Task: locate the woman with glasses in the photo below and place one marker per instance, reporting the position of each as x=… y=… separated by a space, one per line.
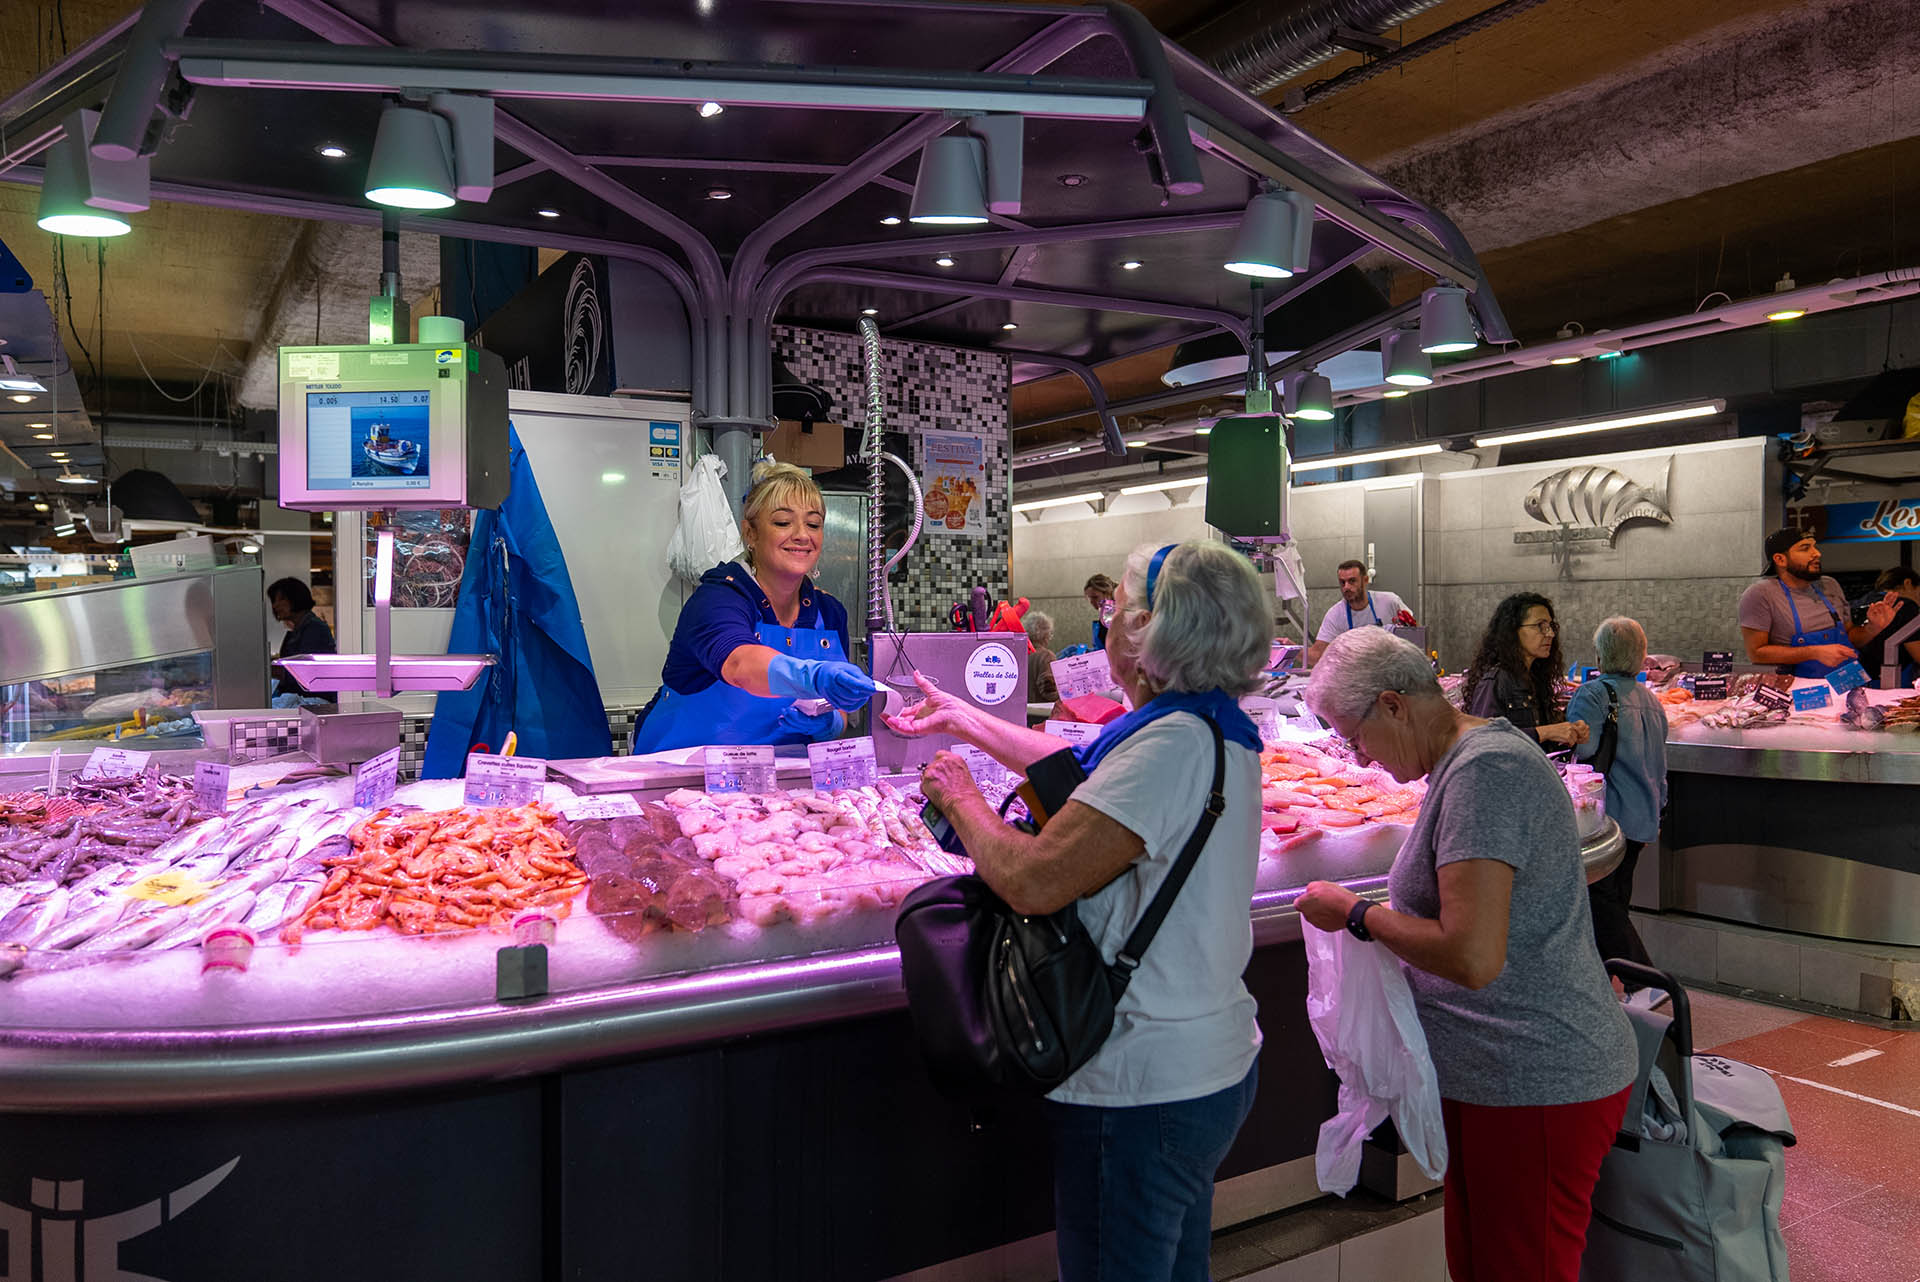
x=1512 y=675
x=1534 y=1055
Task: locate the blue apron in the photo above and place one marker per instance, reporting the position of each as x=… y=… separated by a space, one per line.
x=1835 y=635
x=1370 y=610
x=727 y=714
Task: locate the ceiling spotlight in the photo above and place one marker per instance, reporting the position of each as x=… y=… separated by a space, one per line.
x=1132 y=265
x=1011 y=325
x=56 y=453
x=74 y=478
x=1564 y=360
x=719 y=193
x=945 y=260
x=42 y=507
x=1309 y=396
x=249 y=547
x=1395 y=393
x=708 y=110
x=41 y=436
x=83 y=195
x=1135 y=445
x=891 y=220
x=23 y=398
x=332 y=151
x=412 y=164
x=1275 y=238
x=1072 y=180
x=869 y=311
x=951 y=189
x=1445 y=323
x=1406 y=364
x=1787 y=314
x=547 y=213
x=35 y=427
x=12 y=380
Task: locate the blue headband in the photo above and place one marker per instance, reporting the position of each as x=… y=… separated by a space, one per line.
x=1153 y=570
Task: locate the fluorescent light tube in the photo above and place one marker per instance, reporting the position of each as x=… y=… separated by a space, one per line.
x=1708 y=410
x=1065 y=501
x=1366 y=456
x=1185 y=483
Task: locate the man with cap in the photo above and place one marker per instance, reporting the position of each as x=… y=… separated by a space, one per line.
x=1796 y=618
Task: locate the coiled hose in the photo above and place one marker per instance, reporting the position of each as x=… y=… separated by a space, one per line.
x=879 y=565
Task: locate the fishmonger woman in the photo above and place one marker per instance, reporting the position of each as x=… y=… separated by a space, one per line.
x=754 y=640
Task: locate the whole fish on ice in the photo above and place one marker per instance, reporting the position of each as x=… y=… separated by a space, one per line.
x=1593 y=497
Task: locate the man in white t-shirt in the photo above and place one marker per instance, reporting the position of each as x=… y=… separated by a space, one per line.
x=1358 y=607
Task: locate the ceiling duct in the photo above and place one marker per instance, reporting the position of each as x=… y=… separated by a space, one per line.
x=1260 y=47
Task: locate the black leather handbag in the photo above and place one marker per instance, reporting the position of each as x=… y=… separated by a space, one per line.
x=1005 y=1004
x=1602 y=758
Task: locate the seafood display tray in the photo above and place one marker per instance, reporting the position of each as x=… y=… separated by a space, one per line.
x=338 y=672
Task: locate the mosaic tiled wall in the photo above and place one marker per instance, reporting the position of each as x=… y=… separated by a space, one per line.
x=413 y=739
x=929 y=388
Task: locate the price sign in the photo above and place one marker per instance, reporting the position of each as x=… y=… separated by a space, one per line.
x=210 y=787
x=1708 y=689
x=1809 y=698
x=1073 y=731
x=842 y=763
x=171 y=887
x=504 y=781
x=114 y=763
x=613 y=805
x=1083 y=674
x=1848 y=676
x=995 y=780
x=746 y=768
x=375 y=779
x=1716 y=663
x=1768 y=697
x=1265 y=714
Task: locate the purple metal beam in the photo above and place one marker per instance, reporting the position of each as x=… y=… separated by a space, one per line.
x=736 y=166
x=1025 y=294
x=1109 y=425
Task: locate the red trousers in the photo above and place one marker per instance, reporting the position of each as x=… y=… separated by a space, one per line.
x=1520 y=1187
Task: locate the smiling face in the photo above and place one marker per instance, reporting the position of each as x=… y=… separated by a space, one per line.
x=1353 y=587
x=1537 y=633
x=785 y=539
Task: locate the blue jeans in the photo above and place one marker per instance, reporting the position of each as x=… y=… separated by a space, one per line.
x=1133 y=1187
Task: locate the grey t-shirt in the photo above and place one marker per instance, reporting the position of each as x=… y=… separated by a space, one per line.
x=1548 y=1029
x=1764 y=606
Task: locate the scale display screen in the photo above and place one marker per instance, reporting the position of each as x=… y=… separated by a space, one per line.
x=371 y=441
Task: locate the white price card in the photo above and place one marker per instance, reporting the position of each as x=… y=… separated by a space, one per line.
x=1083 y=674
x=375 y=779
x=1073 y=731
x=210 y=780
x=612 y=805
x=114 y=763
x=994 y=779
x=504 y=781
x=842 y=763
x=1265 y=714
x=744 y=768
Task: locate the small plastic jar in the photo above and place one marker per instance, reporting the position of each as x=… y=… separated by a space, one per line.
x=226 y=947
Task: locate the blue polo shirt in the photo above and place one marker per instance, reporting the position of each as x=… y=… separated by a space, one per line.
x=721 y=616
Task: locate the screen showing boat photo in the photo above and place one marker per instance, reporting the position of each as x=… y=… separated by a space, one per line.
x=368 y=440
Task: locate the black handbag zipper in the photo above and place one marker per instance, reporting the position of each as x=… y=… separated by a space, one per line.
x=1013 y=984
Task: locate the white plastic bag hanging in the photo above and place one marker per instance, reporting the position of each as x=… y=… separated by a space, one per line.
x=707 y=533
x=1362 y=1013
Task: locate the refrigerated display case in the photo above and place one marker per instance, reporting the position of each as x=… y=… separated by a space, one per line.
x=130 y=659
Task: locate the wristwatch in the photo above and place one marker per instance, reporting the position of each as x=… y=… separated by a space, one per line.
x=1357 y=920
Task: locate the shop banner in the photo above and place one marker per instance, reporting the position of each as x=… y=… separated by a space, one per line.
x=953 y=473
x=1889 y=520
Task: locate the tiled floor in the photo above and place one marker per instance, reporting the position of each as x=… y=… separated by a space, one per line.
x=1852 y=1208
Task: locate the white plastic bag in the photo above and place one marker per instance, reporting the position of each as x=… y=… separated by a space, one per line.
x=707 y=533
x=1362 y=1012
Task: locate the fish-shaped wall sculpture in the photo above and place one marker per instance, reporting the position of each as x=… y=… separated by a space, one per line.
x=1593 y=497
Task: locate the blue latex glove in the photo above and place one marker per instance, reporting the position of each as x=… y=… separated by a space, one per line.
x=825 y=726
x=841 y=684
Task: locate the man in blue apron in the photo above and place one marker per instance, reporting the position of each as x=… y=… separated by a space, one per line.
x=1359 y=606
x=759 y=654
x=1795 y=618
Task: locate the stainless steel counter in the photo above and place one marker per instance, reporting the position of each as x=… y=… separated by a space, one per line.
x=85 y=1070
x=1793 y=752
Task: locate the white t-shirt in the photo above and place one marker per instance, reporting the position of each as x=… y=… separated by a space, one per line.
x=1384 y=607
x=1185 y=1026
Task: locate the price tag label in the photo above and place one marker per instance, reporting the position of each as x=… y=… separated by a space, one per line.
x=375 y=779
x=171 y=887
x=1265 y=714
x=1083 y=674
x=504 y=781
x=842 y=763
x=1073 y=731
x=614 y=805
x=210 y=786
x=1848 y=676
x=745 y=768
x=114 y=763
x=995 y=780
x=1809 y=698
x=1710 y=688
x=1768 y=697
x=1716 y=663
x=257 y=738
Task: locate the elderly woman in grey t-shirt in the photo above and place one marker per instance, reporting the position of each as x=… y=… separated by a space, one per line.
x=1534 y=1055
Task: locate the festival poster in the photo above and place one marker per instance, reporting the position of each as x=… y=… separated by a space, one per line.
x=953 y=473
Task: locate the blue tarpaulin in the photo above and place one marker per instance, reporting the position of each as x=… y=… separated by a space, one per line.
x=517 y=603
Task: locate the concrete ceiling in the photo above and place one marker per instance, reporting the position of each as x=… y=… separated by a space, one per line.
x=1611 y=160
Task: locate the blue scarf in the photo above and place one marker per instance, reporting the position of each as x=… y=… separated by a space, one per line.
x=1216 y=706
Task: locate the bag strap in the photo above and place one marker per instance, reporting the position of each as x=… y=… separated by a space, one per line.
x=1128 y=959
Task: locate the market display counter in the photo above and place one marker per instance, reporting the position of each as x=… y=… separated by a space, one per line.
x=764 y=1120
x=1808 y=826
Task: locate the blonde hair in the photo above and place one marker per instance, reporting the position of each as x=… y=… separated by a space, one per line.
x=777 y=485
